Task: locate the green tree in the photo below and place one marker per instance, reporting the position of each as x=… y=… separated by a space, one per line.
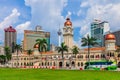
x=42 y=46
x=29 y=52
x=13 y=47
x=88 y=41
x=63 y=48
x=17 y=49
x=2 y=59
x=75 y=51
x=7 y=53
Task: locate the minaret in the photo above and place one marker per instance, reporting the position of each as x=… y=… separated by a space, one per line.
x=59 y=37
x=68 y=33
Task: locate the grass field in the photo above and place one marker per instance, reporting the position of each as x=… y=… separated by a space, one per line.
x=44 y=74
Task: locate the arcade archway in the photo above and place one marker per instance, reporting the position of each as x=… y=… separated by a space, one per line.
x=60 y=64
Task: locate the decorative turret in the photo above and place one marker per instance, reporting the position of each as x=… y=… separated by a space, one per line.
x=110 y=42
x=68 y=22
x=68 y=33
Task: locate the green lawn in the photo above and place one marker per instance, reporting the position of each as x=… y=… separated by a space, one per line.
x=43 y=74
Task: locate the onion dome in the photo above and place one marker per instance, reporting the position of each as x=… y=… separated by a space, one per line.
x=36 y=46
x=68 y=22
x=10 y=29
x=110 y=37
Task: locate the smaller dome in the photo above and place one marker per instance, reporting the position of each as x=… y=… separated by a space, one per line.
x=110 y=37
x=36 y=46
x=68 y=22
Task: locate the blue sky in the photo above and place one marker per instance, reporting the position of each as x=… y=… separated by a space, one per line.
x=26 y=14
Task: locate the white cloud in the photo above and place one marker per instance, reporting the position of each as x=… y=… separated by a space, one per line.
x=84 y=4
x=68 y=14
x=48 y=14
x=7 y=21
x=79 y=12
x=105 y=11
x=21 y=27
x=11 y=19
x=84 y=30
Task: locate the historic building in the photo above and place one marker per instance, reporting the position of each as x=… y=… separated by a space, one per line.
x=10 y=37
x=53 y=59
x=68 y=33
x=30 y=38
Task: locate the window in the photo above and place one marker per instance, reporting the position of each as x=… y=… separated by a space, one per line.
x=78 y=64
x=81 y=63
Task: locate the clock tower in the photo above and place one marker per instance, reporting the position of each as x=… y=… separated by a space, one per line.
x=68 y=33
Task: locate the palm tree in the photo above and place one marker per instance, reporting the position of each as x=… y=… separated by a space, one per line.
x=88 y=41
x=17 y=49
x=42 y=45
x=29 y=52
x=63 y=48
x=2 y=59
x=75 y=51
x=13 y=47
x=7 y=53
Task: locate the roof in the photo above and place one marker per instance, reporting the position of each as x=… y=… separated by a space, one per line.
x=68 y=22
x=110 y=37
x=9 y=29
x=95 y=48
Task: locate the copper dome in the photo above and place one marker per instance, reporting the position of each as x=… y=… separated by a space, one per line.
x=110 y=37
x=68 y=22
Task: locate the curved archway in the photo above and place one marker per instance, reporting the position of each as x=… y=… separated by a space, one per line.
x=53 y=63
x=118 y=64
x=48 y=63
x=78 y=64
x=73 y=64
x=60 y=64
x=67 y=64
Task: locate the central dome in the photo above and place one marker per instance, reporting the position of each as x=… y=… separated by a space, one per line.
x=110 y=37
x=68 y=22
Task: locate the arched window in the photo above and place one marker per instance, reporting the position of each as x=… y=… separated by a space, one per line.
x=81 y=63
x=21 y=64
x=78 y=64
x=24 y=63
x=42 y=63
x=118 y=55
x=54 y=64
x=98 y=56
x=112 y=55
x=48 y=63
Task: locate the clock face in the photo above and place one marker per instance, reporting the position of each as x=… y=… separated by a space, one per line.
x=66 y=30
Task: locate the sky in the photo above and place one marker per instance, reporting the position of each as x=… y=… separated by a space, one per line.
x=51 y=15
